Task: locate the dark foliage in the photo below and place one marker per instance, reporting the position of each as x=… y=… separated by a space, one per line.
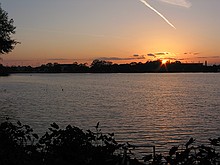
x=3 y=71
x=7 y=28
x=190 y=155
x=19 y=145
x=100 y=66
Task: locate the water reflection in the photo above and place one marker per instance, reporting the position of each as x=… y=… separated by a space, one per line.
x=161 y=109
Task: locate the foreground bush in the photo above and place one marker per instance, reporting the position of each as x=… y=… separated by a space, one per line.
x=191 y=155
x=19 y=145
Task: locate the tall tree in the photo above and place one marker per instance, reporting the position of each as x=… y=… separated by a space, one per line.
x=7 y=28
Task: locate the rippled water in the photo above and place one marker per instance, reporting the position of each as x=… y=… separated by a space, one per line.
x=159 y=109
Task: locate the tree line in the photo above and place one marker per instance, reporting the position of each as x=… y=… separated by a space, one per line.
x=102 y=66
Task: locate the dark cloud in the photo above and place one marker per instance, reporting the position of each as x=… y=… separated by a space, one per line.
x=116 y=58
x=192 y=53
x=161 y=53
x=135 y=57
x=209 y=57
x=158 y=54
x=58 y=59
x=141 y=57
x=151 y=55
x=170 y=58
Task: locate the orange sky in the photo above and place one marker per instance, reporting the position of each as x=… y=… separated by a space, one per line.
x=54 y=31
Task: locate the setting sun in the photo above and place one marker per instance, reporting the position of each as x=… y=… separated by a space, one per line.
x=164 y=61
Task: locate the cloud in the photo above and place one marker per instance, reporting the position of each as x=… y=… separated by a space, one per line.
x=151 y=55
x=191 y=53
x=115 y=58
x=139 y=56
x=209 y=57
x=161 y=53
x=199 y=57
x=182 y=3
x=135 y=57
x=170 y=58
x=58 y=59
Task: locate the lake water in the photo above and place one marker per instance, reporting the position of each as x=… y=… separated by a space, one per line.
x=159 y=109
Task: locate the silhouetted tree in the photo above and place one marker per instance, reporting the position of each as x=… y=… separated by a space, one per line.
x=101 y=66
x=99 y=63
x=7 y=28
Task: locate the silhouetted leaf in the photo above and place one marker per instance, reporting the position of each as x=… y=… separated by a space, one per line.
x=69 y=127
x=111 y=134
x=54 y=125
x=173 y=150
x=214 y=142
x=97 y=125
x=147 y=158
x=29 y=137
x=35 y=136
x=19 y=123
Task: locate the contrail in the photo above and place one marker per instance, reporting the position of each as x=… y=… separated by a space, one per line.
x=143 y=1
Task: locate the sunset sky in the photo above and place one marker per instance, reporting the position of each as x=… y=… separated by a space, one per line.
x=121 y=31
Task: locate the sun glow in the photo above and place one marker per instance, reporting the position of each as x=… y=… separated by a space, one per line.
x=164 y=62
